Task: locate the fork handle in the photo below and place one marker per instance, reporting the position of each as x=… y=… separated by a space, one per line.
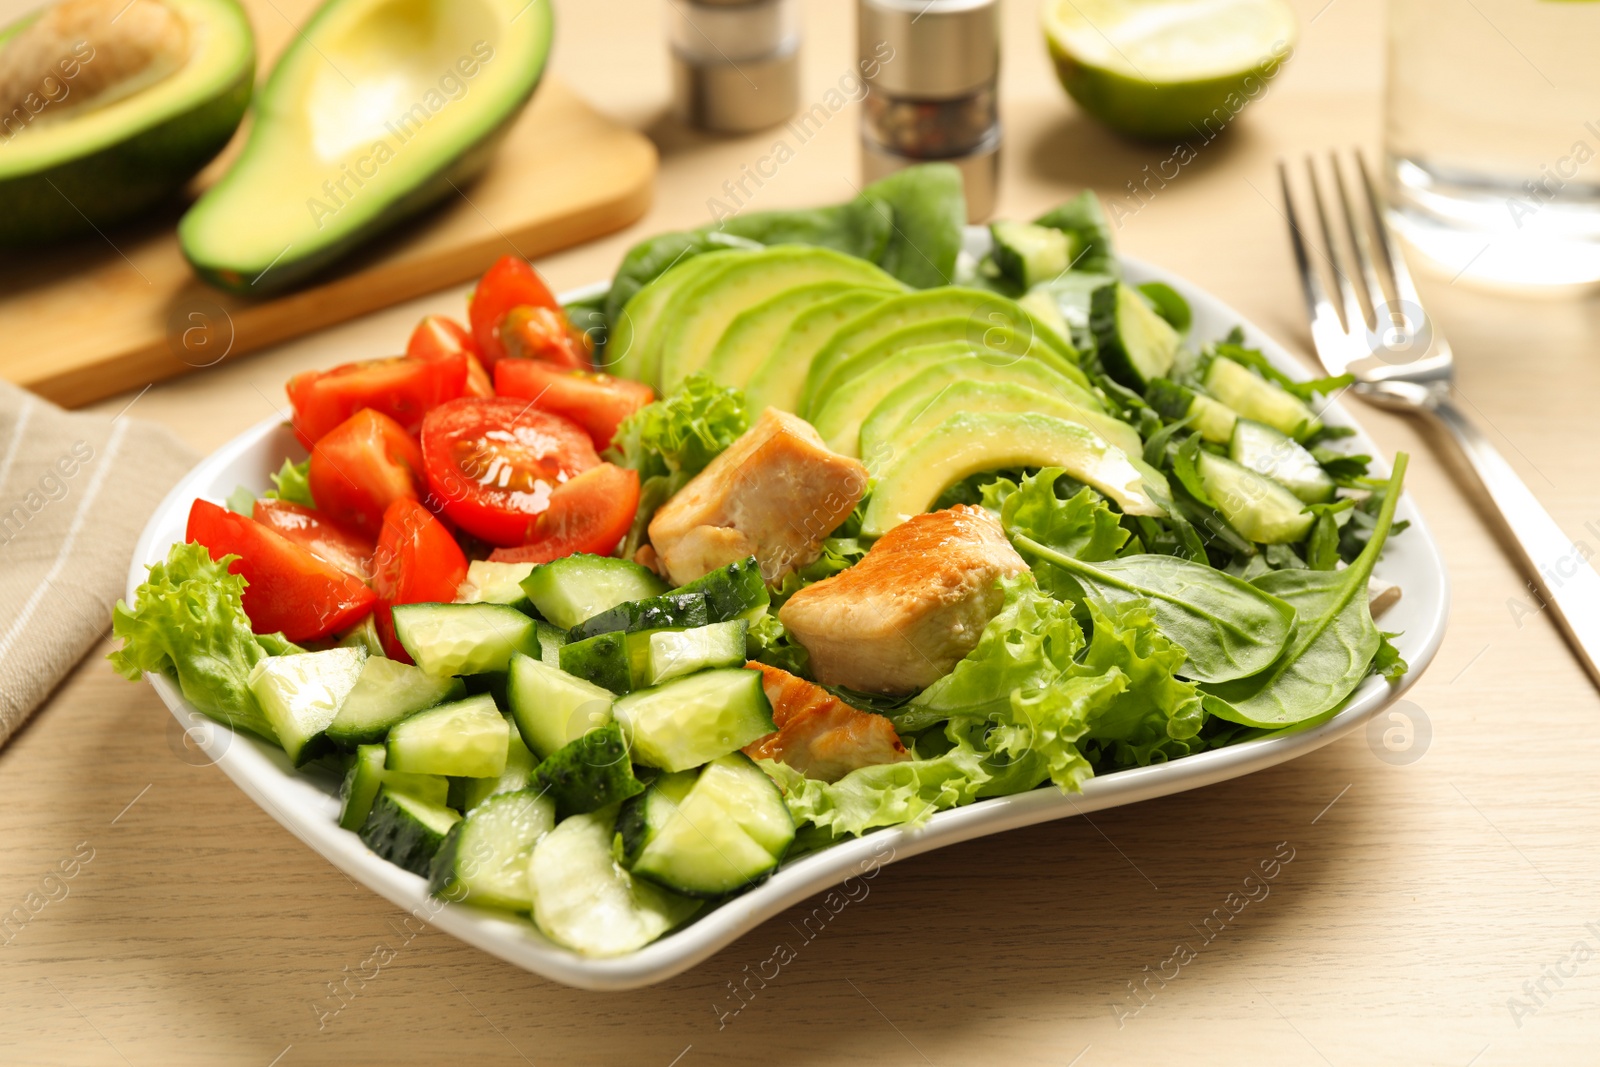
x=1557 y=566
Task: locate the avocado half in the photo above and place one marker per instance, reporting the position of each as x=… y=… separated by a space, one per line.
x=65 y=172
x=378 y=109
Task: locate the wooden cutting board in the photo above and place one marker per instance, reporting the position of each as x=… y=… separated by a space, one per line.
x=103 y=316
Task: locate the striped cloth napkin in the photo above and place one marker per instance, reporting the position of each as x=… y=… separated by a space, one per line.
x=75 y=492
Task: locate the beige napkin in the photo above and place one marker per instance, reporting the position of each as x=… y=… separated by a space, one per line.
x=75 y=492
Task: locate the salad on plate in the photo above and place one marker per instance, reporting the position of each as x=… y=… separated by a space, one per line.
x=808 y=524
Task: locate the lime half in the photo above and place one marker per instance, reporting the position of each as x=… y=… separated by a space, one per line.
x=1168 y=68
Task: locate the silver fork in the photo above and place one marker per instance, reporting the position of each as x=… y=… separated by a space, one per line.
x=1404 y=363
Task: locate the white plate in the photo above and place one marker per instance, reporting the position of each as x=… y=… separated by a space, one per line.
x=307 y=804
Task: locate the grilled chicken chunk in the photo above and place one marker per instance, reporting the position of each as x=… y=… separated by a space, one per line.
x=820 y=735
x=902 y=617
x=775 y=493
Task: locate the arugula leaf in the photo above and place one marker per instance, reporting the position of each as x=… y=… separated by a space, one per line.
x=681 y=433
x=1335 y=643
x=189 y=621
x=1155 y=716
x=292 y=483
x=1083 y=217
x=1169 y=304
x=1322 y=546
x=1257 y=360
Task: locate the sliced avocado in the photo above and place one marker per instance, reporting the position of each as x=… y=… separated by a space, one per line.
x=377 y=109
x=750 y=337
x=839 y=419
x=930 y=396
x=969 y=444
x=782 y=376
x=1002 y=344
x=980 y=309
x=1135 y=344
x=1256 y=398
x=100 y=131
x=633 y=349
x=703 y=311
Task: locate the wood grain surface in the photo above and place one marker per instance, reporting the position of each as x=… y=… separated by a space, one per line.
x=1433 y=912
x=564 y=174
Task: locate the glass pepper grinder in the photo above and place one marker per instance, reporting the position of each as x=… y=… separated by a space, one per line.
x=735 y=63
x=932 y=69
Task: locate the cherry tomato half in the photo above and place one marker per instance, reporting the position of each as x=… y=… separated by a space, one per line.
x=590 y=513
x=288 y=588
x=597 y=402
x=361 y=467
x=510 y=283
x=545 y=335
x=441 y=337
x=316 y=533
x=492 y=464
x=403 y=389
x=417 y=562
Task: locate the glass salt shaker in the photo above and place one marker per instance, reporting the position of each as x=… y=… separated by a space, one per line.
x=735 y=63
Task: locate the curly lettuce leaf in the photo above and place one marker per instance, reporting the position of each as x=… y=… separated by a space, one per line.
x=189 y=622
x=767 y=641
x=1156 y=716
x=292 y=483
x=837 y=554
x=682 y=433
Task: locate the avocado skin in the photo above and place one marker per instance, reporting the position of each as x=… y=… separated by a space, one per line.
x=79 y=196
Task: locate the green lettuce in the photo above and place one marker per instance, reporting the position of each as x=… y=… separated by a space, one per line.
x=1156 y=716
x=837 y=554
x=189 y=623
x=292 y=483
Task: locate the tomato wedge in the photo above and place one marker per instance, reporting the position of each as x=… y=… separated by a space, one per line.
x=590 y=513
x=597 y=402
x=510 y=283
x=545 y=335
x=403 y=389
x=362 y=467
x=441 y=337
x=493 y=463
x=314 y=532
x=417 y=562
x=288 y=589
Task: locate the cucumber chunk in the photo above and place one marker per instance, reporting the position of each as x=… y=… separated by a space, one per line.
x=710 y=832
x=737 y=591
x=488 y=582
x=517 y=775
x=602 y=659
x=1135 y=344
x=367 y=775
x=1258 y=507
x=652 y=613
x=1211 y=420
x=386 y=692
x=1029 y=254
x=583 y=899
x=447 y=639
x=1256 y=398
x=552 y=708
x=574 y=588
x=661 y=655
x=484 y=859
x=466 y=739
x=407 y=831
x=590 y=773
x=693 y=720
x=1266 y=451
x=300 y=696
x=364 y=635
x=551 y=638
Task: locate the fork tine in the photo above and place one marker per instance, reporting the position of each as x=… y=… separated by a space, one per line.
x=1404 y=288
x=1318 y=306
x=1354 y=317
x=1361 y=245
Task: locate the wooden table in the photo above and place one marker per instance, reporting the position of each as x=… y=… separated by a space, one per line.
x=1417 y=923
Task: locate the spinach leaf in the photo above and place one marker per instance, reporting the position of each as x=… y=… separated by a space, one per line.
x=1335 y=641
x=1083 y=217
x=926 y=210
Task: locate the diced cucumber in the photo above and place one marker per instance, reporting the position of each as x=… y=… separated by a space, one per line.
x=447 y=639
x=1266 y=451
x=552 y=708
x=551 y=638
x=1135 y=344
x=386 y=692
x=661 y=655
x=728 y=829
x=364 y=635
x=571 y=589
x=484 y=859
x=602 y=659
x=1029 y=254
x=517 y=775
x=1254 y=397
x=367 y=775
x=407 y=831
x=466 y=739
x=652 y=613
x=1211 y=420
x=489 y=582
x=585 y=900
x=736 y=591
x=693 y=720
x=589 y=773
x=1258 y=507
x=300 y=695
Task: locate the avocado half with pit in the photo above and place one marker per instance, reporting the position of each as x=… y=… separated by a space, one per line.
x=107 y=107
x=378 y=109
